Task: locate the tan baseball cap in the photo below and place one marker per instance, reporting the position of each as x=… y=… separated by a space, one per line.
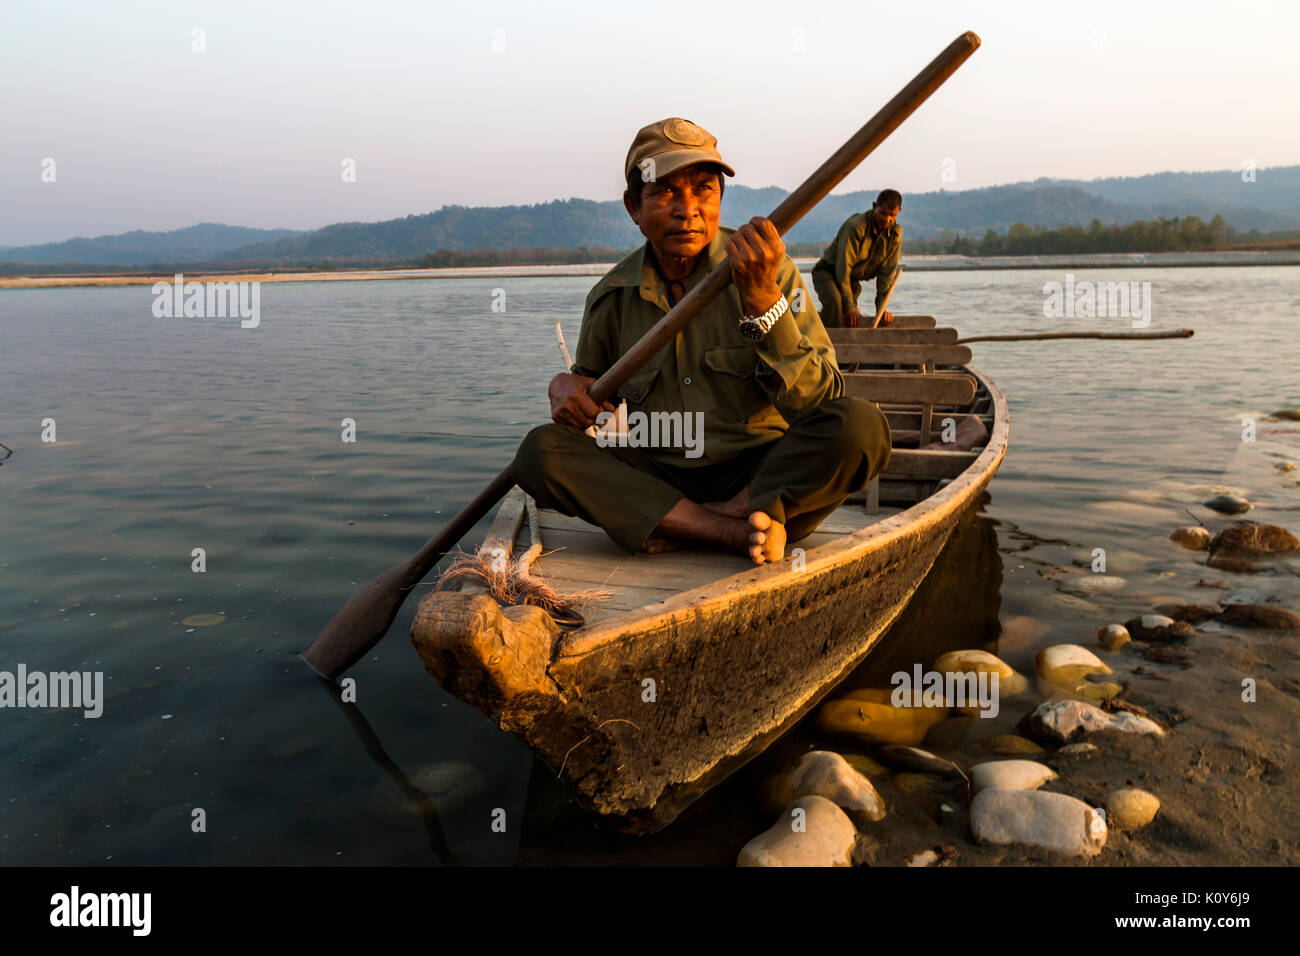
x=671 y=144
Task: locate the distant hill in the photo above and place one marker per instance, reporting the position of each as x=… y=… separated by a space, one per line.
x=561 y=224
x=1271 y=203
x=207 y=240
x=1275 y=190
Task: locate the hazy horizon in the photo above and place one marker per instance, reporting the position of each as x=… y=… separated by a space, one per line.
x=438 y=108
x=835 y=192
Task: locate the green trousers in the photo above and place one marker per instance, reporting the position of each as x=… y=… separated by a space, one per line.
x=831 y=309
x=830 y=451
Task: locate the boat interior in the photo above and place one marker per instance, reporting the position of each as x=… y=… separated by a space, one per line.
x=940 y=414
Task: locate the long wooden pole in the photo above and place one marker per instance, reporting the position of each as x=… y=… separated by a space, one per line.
x=1039 y=336
x=365 y=619
x=898 y=271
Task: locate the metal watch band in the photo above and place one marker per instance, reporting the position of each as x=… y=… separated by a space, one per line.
x=770 y=317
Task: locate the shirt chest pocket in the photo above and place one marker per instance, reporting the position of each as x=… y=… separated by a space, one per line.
x=733 y=383
x=638 y=389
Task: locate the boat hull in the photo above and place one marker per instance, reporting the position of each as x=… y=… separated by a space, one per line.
x=644 y=713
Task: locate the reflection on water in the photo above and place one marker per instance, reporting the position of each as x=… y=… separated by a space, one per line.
x=182 y=434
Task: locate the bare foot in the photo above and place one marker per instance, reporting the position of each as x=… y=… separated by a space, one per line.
x=767 y=539
x=737 y=507
x=754 y=533
x=658 y=544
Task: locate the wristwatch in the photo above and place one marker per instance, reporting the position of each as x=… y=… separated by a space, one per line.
x=754 y=327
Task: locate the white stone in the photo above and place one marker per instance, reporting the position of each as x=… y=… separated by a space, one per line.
x=1113 y=636
x=1064 y=720
x=1010 y=775
x=1154 y=621
x=974 y=660
x=1050 y=821
x=1094 y=583
x=822 y=835
x=826 y=774
x=1068 y=664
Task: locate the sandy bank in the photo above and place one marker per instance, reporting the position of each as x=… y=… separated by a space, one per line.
x=1135 y=260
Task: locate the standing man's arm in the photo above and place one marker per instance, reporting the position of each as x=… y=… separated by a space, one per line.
x=848 y=250
x=888 y=273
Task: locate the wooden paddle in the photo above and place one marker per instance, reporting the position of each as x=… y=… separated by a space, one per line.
x=880 y=312
x=367 y=616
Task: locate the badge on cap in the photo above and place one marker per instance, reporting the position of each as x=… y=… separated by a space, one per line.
x=685 y=132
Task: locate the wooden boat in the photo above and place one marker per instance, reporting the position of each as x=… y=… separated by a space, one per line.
x=698 y=660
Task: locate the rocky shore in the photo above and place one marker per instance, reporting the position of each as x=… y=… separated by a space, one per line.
x=1162 y=735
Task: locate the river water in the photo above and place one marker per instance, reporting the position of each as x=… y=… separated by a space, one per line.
x=179 y=434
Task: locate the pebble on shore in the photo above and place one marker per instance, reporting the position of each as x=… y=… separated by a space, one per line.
x=1227 y=504
x=1158 y=627
x=1113 y=636
x=1194 y=538
x=1010 y=775
x=826 y=774
x=1188 y=613
x=1050 y=821
x=1064 y=721
x=921 y=761
x=976 y=661
x=1249 y=546
x=1094 y=583
x=1260 y=615
x=1129 y=808
x=1063 y=671
x=869 y=715
x=1068 y=664
x=823 y=835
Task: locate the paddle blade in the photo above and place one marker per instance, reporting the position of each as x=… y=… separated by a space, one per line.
x=366 y=618
x=361 y=624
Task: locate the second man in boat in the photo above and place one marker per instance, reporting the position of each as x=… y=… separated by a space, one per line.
x=783 y=446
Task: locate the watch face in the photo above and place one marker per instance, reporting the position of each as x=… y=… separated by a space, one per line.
x=751 y=330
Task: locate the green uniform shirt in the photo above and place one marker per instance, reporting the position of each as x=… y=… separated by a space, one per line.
x=747 y=391
x=856 y=255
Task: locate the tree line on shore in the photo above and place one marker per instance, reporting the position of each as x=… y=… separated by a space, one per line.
x=1176 y=234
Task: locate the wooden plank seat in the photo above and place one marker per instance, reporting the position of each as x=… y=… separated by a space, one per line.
x=892 y=336
x=912 y=388
x=930 y=355
x=908 y=419
x=912 y=322
x=908 y=395
x=928 y=464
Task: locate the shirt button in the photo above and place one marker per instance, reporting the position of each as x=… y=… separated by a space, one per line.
x=687 y=380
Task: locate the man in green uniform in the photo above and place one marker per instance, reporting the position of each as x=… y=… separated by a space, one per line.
x=782 y=447
x=866 y=247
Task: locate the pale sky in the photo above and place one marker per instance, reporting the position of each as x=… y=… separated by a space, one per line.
x=146 y=133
